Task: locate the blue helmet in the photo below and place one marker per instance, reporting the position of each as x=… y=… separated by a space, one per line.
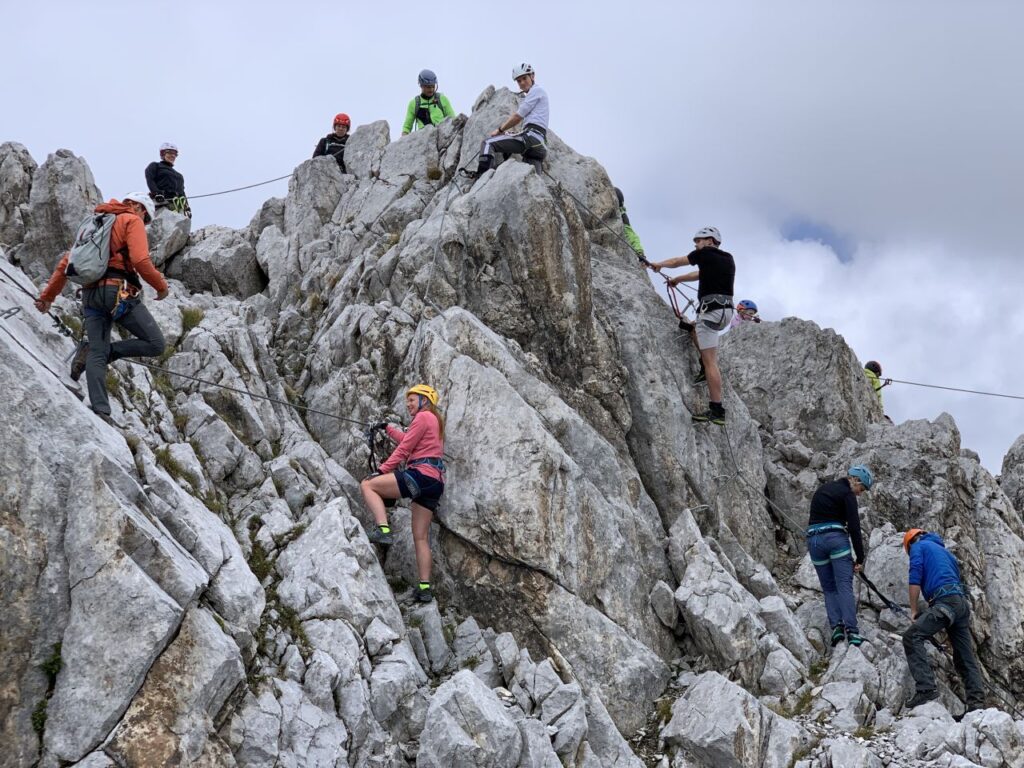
x=747 y=304
x=427 y=77
x=863 y=474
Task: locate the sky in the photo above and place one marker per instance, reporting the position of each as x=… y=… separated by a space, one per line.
x=862 y=160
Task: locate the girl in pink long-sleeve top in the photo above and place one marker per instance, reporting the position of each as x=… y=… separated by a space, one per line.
x=420 y=449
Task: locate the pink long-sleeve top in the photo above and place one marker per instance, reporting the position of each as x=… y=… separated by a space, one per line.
x=421 y=441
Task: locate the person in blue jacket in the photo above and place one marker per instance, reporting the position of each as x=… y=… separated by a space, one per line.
x=934 y=572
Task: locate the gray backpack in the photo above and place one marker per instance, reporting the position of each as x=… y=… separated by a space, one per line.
x=90 y=253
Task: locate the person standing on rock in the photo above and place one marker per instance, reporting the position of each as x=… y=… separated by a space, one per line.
x=334 y=142
x=533 y=111
x=421 y=449
x=746 y=312
x=166 y=184
x=833 y=528
x=429 y=108
x=116 y=298
x=873 y=371
x=627 y=229
x=716 y=272
x=935 y=573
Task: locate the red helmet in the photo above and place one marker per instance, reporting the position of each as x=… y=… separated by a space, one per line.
x=342 y=118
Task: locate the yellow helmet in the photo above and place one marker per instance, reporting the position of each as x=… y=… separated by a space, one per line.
x=427 y=391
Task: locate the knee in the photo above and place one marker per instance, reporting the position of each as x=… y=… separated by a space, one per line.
x=157 y=344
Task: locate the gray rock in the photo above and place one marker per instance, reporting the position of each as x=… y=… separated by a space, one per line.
x=664 y=604
x=988 y=737
x=16 y=171
x=844 y=752
x=185 y=691
x=719 y=723
x=430 y=627
x=467 y=725
x=536 y=750
x=1011 y=481
x=219 y=261
x=779 y=619
x=797 y=385
x=396 y=679
x=63 y=193
x=167 y=234
x=379 y=637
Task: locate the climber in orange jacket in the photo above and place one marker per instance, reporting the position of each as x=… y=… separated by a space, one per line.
x=116 y=297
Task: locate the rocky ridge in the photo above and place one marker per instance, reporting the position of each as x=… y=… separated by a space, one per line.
x=197 y=588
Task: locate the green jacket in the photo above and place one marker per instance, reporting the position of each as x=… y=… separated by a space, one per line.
x=438 y=107
x=876 y=383
x=630 y=234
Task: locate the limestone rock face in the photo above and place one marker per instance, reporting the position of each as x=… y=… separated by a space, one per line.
x=63 y=193
x=219 y=261
x=196 y=586
x=167 y=233
x=1012 y=478
x=16 y=171
x=718 y=723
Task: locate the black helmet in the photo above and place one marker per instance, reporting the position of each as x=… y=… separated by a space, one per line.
x=874 y=367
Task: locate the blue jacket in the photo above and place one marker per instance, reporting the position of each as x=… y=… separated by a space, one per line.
x=932 y=566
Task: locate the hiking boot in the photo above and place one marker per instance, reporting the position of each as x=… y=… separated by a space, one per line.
x=853 y=638
x=78 y=363
x=382 y=537
x=106 y=418
x=838 y=635
x=922 y=697
x=701 y=377
x=424 y=595
x=715 y=417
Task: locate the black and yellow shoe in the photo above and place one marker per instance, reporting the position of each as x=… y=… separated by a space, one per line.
x=381 y=535
x=714 y=417
x=424 y=594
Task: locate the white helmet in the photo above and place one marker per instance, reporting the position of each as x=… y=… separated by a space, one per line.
x=711 y=232
x=521 y=69
x=168 y=147
x=145 y=200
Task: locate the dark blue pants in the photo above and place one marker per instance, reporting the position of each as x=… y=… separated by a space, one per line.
x=832 y=558
x=148 y=342
x=953 y=614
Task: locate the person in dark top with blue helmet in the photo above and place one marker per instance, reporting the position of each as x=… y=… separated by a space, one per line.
x=935 y=573
x=836 y=548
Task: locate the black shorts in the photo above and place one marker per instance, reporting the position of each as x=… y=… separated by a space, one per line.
x=422 y=489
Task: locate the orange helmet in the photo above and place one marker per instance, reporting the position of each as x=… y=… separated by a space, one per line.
x=342 y=119
x=909 y=537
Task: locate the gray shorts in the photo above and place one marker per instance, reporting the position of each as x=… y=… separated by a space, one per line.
x=709 y=324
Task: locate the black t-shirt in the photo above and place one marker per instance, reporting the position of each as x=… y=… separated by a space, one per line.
x=717 y=271
x=162 y=179
x=332 y=145
x=835 y=502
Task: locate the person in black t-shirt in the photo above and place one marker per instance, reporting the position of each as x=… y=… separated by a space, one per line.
x=333 y=143
x=716 y=271
x=167 y=185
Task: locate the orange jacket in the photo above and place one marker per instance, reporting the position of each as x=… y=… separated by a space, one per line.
x=127 y=235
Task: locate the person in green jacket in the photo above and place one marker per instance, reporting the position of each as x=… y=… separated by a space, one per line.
x=627 y=231
x=429 y=108
x=874 y=372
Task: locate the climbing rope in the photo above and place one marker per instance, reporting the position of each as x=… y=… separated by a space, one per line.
x=62 y=328
x=246 y=392
x=958 y=389
x=239 y=189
